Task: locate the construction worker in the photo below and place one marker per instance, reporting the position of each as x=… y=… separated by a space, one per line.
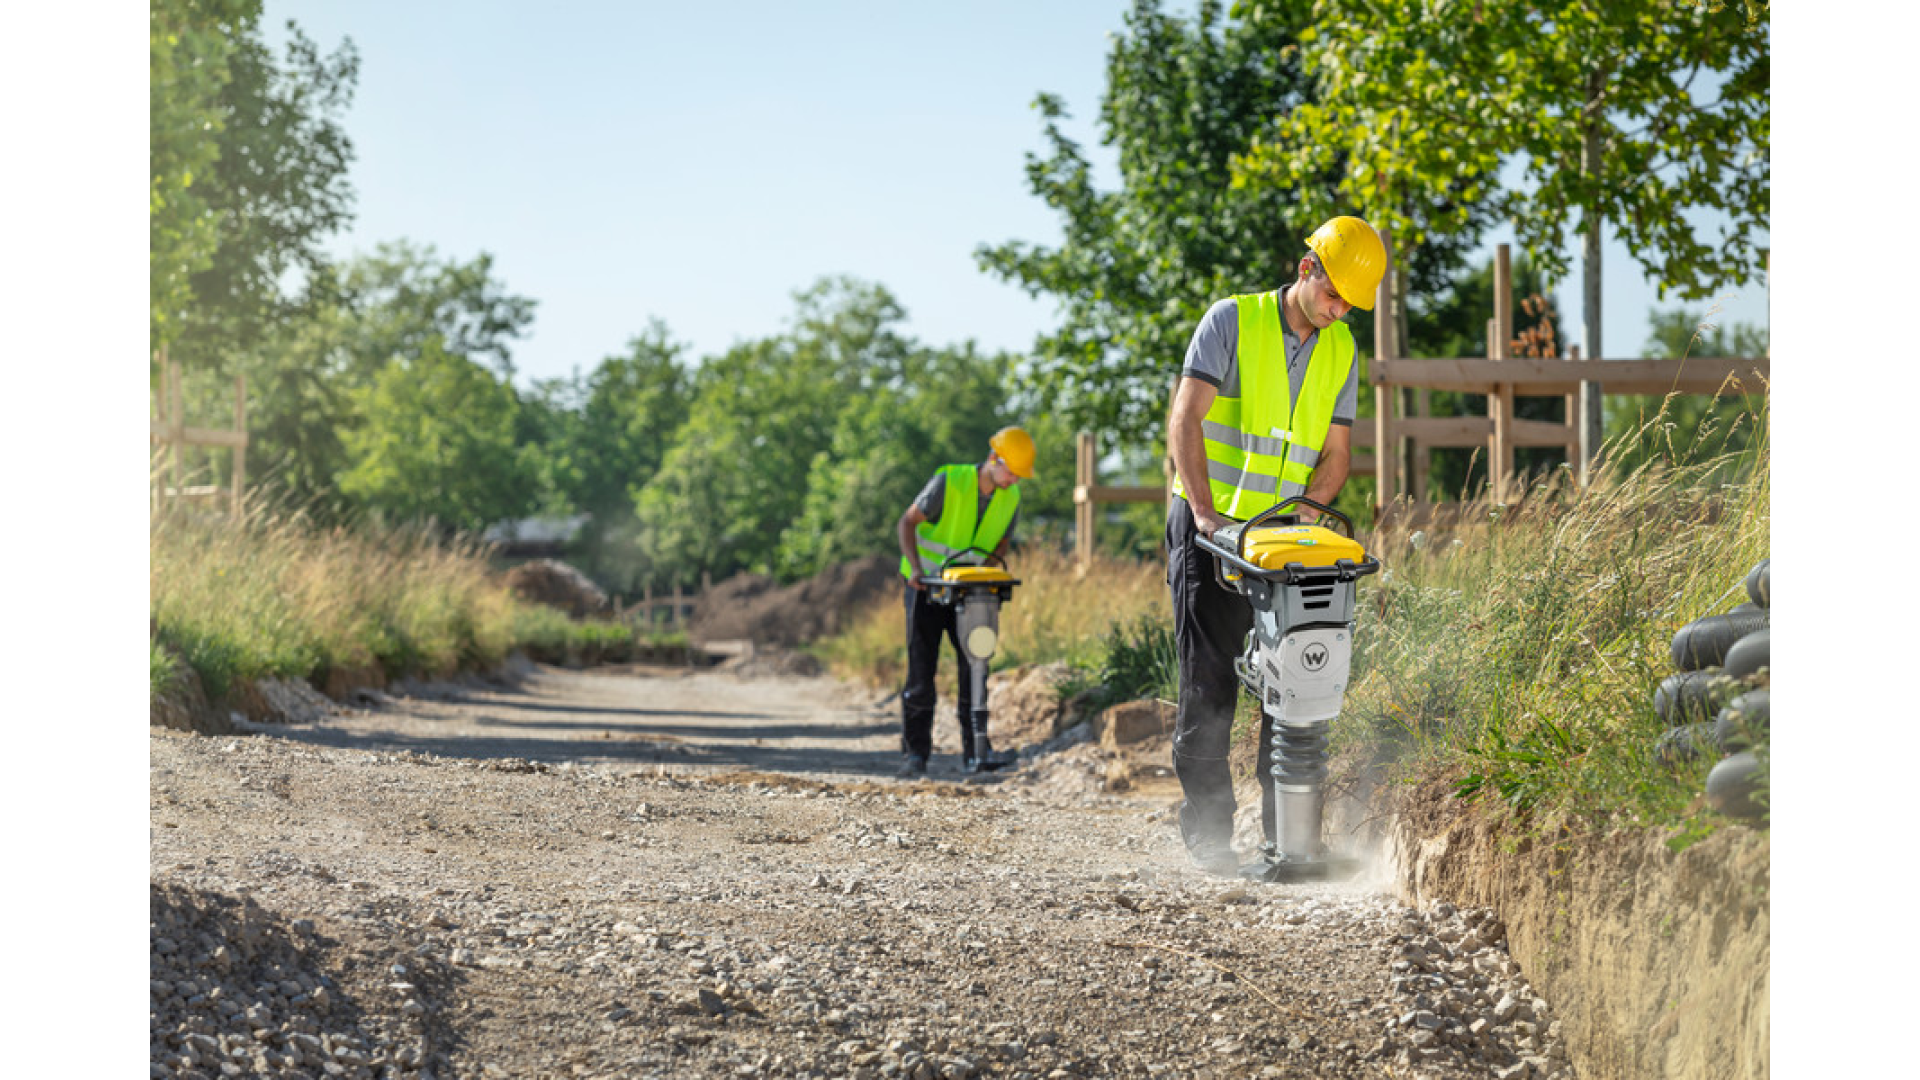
x=1263 y=411
x=963 y=511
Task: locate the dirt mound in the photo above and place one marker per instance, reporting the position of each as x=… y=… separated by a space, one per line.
x=773 y=662
x=554 y=583
x=750 y=607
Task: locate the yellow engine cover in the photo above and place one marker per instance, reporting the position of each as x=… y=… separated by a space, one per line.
x=1272 y=548
x=975 y=573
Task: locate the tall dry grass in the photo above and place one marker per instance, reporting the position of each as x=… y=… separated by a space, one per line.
x=278 y=597
x=1058 y=612
x=1520 y=656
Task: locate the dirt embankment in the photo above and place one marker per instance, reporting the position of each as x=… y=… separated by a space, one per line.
x=1658 y=960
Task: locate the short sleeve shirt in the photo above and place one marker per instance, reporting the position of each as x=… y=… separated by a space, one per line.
x=1213 y=357
x=932 y=500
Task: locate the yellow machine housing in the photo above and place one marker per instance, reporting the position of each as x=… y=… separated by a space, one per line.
x=975 y=573
x=1279 y=546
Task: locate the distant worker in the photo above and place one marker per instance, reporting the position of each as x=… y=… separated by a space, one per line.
x=1263 y=412
x=965 y=510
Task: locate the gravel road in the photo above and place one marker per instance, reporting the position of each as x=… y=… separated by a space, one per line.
x=663 y=873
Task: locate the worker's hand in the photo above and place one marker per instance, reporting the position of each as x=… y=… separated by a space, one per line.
x=914 y=580
x=1208 y=522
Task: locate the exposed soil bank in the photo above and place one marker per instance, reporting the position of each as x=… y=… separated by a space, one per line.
x=1657 y=962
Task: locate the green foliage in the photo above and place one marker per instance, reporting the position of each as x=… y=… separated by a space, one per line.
x=190 y=49
x=885 y=447
x=1136 y=659
x=437 y=441
x=1140 y=265
x=306 y=387
x=279 y=188
x=161 y=674
x=803 y=449
x=1633 y=112
x=404 y=295
x=632 y=407
x=1520 y=659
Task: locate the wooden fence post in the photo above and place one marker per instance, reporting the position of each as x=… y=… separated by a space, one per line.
x=1386 y=449
x=1571 y=408
x=176 y=425
x=1500 y=348
x=1084 y=511
x=240 y=450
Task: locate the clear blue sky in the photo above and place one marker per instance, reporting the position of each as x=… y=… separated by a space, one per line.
x=625 y=161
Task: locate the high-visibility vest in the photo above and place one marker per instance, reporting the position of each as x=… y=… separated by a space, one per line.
x=957 y=531
x=1262 y=446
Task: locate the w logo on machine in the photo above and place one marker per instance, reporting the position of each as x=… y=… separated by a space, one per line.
x=1315 y=656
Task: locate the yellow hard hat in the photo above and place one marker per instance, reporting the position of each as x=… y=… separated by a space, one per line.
x=1015 y=447
x=1354 y=258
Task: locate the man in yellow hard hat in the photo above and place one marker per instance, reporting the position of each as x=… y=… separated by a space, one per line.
x=1263 y=411
x=963 y=513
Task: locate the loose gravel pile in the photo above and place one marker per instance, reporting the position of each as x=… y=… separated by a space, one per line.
x=323 y=912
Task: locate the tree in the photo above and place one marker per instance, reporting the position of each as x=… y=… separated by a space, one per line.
x=1139 y=266
x=436 y=440
x=760 y=417
x=943 y=409
x=405 y=294
x=279 y=189
x=1635 y=112
x=190 y=45
x=249 y=173
x=305 y=379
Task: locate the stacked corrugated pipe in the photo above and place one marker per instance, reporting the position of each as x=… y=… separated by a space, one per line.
x=1717 y=702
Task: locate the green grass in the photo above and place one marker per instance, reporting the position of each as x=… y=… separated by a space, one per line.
x=279 y=598
x=1519 y=660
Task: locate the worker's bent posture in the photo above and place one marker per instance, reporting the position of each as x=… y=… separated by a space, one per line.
x=963 y=509
x=1263 y=412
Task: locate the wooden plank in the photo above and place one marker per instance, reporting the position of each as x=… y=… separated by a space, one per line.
x=1096 y=493
x=1383 y=449
x=1471 y=431
x=164 y=432
x=1547 y=376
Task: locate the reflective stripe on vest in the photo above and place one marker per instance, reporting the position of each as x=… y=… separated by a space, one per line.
x=957 y=533
x=1262 y=446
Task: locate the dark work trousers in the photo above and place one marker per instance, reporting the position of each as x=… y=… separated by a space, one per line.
x=927 y=623
x=1210 y=625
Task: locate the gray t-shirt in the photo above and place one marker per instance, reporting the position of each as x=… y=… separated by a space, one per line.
x=1212 y=356
x=932 y=501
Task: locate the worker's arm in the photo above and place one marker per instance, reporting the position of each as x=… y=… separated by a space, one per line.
x=910 y=543
x=1185 y=443
x=1330 y=472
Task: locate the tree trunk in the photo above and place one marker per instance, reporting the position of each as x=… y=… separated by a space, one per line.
x=1591 y=431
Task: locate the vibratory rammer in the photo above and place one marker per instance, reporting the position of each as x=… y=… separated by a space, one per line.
x=976 y=593
x=1300 y=582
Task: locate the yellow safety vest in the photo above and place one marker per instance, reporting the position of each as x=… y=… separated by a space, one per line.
x=957 y=531
x=1262 y=446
